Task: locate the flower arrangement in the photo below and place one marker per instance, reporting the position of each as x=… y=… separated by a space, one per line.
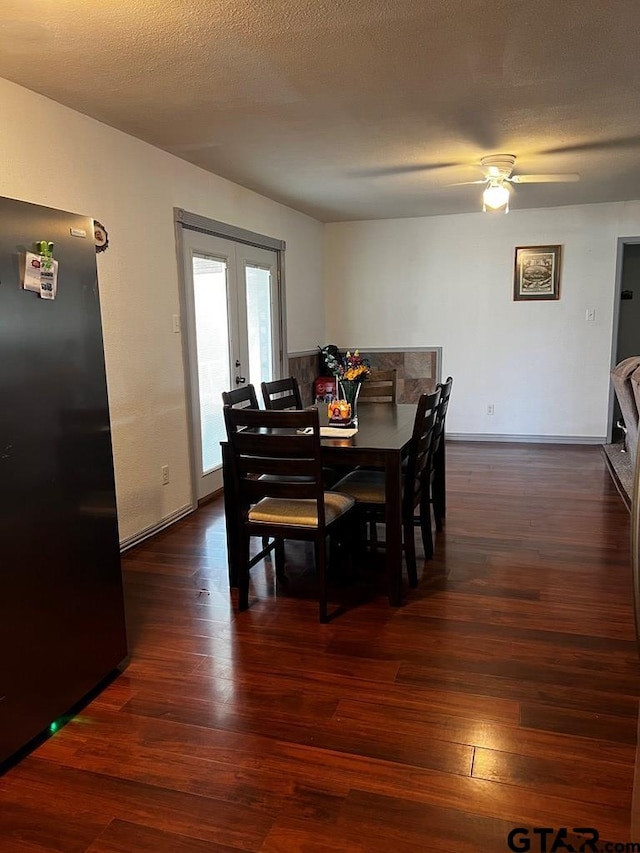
x=355 y=368
x=352 y=367
x=350 y=370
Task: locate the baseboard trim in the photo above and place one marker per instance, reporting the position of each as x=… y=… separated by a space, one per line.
x=130 y=541
x=527 y=439
x=211 y=497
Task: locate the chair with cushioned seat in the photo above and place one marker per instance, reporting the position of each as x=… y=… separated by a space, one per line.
x=367 y=486
x=277 y=474
x=245 y=397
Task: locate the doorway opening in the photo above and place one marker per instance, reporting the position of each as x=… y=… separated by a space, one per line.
x=626 y=320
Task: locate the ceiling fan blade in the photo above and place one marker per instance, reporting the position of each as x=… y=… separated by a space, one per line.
x=466 y=183
x=384 y=171
x=544 y=179
x=596 y=145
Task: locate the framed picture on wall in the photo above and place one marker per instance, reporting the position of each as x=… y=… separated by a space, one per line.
x=537 y=273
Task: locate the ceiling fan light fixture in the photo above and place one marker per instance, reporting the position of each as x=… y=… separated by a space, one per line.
x=495 y=198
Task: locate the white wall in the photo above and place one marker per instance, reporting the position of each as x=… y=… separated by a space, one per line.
x=448 y=281
x=54 y=156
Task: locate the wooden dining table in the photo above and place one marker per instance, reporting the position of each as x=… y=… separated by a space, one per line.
x=382 y=441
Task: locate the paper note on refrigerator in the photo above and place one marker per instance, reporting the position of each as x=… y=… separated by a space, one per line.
x=49 y=282
x=32 y=267
x=38 y=279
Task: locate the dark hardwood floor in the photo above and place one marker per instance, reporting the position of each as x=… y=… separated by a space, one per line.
x=503 y=693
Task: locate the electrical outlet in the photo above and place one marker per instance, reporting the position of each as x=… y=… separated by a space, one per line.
x=176 y=324
x=491 y=409
x=165 y=474
x=590 y=315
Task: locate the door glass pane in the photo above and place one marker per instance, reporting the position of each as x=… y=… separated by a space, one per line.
x=212 y=345
x=259 y=324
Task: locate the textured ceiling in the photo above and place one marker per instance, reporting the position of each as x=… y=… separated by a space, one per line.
x=353 y=109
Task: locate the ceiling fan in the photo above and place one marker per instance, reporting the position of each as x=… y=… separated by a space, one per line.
x=498 y=173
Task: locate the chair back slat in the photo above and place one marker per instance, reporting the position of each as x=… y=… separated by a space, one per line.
x=277 y=444
x=281 y=394
x=276 y=466
x=380 y=387
x=241 y=398
x=288 y=420
x=254 y=490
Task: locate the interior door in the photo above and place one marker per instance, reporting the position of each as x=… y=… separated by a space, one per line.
x=233 y=336
x=628 y=332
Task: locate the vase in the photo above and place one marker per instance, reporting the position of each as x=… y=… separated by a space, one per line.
x=350 y=391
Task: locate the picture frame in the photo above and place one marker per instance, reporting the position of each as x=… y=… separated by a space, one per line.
x=536 y=273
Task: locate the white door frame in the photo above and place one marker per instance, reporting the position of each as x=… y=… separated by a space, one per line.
x=183 y=220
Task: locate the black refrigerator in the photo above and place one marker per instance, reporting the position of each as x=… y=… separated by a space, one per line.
x=62 y=623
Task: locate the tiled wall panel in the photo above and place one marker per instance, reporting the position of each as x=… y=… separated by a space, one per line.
x=418 y=370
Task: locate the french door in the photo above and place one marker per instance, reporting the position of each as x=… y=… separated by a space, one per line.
x=233 y=326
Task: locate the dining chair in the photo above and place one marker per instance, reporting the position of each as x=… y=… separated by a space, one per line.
x=367 y=486
x=281 y=394
x=437 y=463
x=241 y=398
x=381 y=386
x=284 y=394
x=245 y=397
x=276 y=466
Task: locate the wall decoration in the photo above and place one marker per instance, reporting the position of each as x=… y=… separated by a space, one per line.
x=537 y=273
x=101 y=238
